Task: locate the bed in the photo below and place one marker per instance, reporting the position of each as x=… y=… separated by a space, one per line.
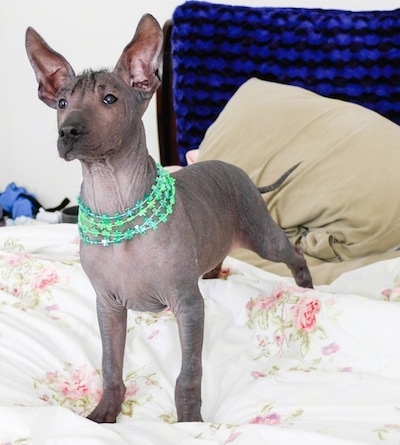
x=263 y=88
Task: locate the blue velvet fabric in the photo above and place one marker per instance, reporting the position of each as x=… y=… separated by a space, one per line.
x=353 y=56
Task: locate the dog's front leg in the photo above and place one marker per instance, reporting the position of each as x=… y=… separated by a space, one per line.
x=190 y=316
x=112 y=322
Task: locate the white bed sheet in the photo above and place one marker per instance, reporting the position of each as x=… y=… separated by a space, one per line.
x=281 y=364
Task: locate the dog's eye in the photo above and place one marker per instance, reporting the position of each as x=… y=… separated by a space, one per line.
x=109 y=99
x=62 y=103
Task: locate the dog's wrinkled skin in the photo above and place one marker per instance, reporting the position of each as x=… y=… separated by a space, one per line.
x=217 y=209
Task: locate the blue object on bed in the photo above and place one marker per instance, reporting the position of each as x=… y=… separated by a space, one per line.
x=14 y=201
x=353 y=56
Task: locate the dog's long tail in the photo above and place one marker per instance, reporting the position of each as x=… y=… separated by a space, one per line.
x=276 y=184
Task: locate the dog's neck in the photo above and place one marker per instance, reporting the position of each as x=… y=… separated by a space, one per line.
x=114 y=184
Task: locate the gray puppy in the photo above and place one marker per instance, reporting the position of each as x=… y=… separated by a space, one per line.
x=147 y=236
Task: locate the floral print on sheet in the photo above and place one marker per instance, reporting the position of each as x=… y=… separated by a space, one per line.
x=288 y=317
x=392 y=293
x=289 y=322
x=143 y=320
x=216 y=433
x=387 y=430
x=29 y=279
x=269 y=416
x=79 y=389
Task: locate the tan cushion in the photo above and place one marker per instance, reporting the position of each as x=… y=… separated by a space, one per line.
x=343 y=201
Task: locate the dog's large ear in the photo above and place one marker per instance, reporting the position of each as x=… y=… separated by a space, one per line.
x=52 y=69
x=139 y=63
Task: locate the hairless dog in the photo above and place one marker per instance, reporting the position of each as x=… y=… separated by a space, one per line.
x=147 y=235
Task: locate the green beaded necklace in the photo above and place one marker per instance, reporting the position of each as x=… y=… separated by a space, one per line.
x=146 y=214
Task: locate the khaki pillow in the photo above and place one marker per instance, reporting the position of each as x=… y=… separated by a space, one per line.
x=343 y=201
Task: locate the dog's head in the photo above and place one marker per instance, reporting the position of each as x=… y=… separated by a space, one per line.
x=98 y=111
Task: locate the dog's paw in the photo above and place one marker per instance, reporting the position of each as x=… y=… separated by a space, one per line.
x=109 y=407
x=101 y=415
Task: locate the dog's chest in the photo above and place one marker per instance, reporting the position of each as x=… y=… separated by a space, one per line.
x=124 y=274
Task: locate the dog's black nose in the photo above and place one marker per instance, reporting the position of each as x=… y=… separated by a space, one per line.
x=70 y=137
x=71 y=131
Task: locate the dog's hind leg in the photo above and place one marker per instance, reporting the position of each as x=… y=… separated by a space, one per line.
x=257 y=231
x=275 y=246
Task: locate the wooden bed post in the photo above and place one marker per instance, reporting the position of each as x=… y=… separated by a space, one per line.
x=165 y=105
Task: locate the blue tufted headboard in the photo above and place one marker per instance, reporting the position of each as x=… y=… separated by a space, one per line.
x=353 y=56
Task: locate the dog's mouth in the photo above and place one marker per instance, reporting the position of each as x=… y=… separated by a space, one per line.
x=66 y=151
x=71 y=151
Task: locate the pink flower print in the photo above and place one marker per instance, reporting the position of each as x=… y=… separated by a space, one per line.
x=77 y=385
x=131 y=390
x=16 y=259
x=330 y=349
x=305 y=313
x=50 y=310
x=233 y=437
x=153 y=334
x=51 y=376
x=264 y=303
x=269 y=419
x=262 y=341
x=280 y=341
x=259 y=420
x=45 y=398
x=258 y=375
x=250 y=305
x=44 y=279
x=392 y=294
